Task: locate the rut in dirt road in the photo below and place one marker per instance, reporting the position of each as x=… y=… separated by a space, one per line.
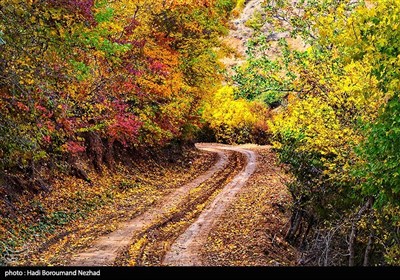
x=105 y=249
x=185 y=251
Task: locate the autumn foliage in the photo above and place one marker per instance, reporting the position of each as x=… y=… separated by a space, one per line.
x=84 y=77
x=235 y=120
x=338 y=127
x=85 y=80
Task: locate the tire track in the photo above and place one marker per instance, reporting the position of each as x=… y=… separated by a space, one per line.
x=150 y=246
x=105 y=249
x=185 y=251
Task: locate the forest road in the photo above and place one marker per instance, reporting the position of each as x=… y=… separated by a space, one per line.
x=184 y=251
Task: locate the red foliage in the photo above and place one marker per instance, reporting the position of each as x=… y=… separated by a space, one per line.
x=83 y=7
x=66 y=124
x=22 y=106
x=74 y=147
x=41 y=108
x=47 y=139
x=131 y=27
x=124 y=129
x=158 y=68
x=132 y=69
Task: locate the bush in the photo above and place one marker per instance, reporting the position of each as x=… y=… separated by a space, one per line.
x=235 y=120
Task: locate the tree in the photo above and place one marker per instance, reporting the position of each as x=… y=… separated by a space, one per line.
x=338 y=130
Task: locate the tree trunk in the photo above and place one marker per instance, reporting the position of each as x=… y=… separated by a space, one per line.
x=96 y=150
x=353 y=233
x=352 y=242
x=79 y=173
x=299 y=230
x=109 y=155
x=370 y=243
x=368 y=249
x=294 y=225
x=309 y=226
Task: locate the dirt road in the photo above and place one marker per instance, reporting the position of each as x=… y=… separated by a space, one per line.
x=215 y=189
x=186 y=249
x=105 y=250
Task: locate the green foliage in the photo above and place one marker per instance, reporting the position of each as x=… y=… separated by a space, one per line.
x=81 y=69
x=339 y=130
x=262 y=78
x=256 y=21
x=380 y=152
x=104 y=16
x=225 y=6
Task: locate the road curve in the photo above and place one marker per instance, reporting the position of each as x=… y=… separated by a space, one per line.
x=105 y=249
x=185 y=251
